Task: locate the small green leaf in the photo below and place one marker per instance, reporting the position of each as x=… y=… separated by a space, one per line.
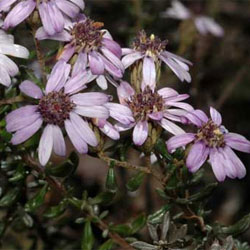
x=27 y=219
x=157 y=217
x=87 y=241
x=55 y=211
x=122 y=229
x=19 y=174
x=67 y=168
x=111 y=184
x=103 y=198
x=138 y=223
x=107 y=245
x=10 y=197
x=76 y=202
x=37 y=200
x=238 y=228
x=135 y=182
x=161 y=148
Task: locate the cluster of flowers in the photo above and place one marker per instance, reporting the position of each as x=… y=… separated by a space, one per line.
x=90 y=53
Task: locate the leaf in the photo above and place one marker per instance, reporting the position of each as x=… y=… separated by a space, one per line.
x=143 y=246
x=11 y=196
x=238 y=228
x=138 y=223
x=107 y=245
x=27 y=219
x=87 y=241
x=111 y=184
x=161 y=148
x=37 y=200
x=157 y=217
x=102 y=198
x=55 y=211
x=135 y=182
x=122 y=229
x=19 y=174
x=67 y=168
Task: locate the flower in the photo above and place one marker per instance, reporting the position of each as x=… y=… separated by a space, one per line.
x=204 y=24
x=95 y=47
x=53 y=13
x=136 y=109
x=8 y=68
x=58 y=108
x=151 y=50
x=212 y=141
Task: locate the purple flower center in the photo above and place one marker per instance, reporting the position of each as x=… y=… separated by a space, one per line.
x=55 y=107
x=145 y=103
x=87 y=35
x=212 y=134
x=149 y=45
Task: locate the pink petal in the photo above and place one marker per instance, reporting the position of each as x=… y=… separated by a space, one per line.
x=76 y=139
x=124 y=92
x=149 y=72
x=113 y=46
x=90 y=98
x=237 y=142
x=167 y=92
x=129 y=59
x=171 y=127
x=59 y=146
x=216 y=116
x=96 y=64
x=197 y=156
x=109 y=130
x=92 y=111
x=179 y=141
x=83 y=129
x=102 y=82
x=45 y=145
x=140 y=133
x=24 y=134
x=31 y=89
x=216 y=161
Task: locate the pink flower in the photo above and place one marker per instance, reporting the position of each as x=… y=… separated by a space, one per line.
x=96 y=50
x=53 y=13
x=204 y=24
x=212 y=141
x=58 y=107
x=137 y=109
x=151 y=51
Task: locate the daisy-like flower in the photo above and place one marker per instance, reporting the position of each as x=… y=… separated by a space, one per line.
x=53 y=13
x=58 y=108
x=163 y=107
x=212 y=141
x=151 y=51
x=8 y=68
x=95 y=47
x=203 y=24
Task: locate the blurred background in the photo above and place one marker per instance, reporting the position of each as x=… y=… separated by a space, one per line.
x=220 y=78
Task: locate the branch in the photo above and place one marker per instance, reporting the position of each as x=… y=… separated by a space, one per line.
x=12 y=100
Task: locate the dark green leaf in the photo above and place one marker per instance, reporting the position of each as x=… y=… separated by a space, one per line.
x=37 y=200
x=138 y=223
x=111 y=184
x=157 y=217
x=135 y=182
x=238 y=228
x=161 y=148
x=19 y=174
x=103 y=198
x=27 y=219
x=122 y=229
x=87 y=241
x=55 y=211
x=10 y=197
x=66 y=168
x=107 y=245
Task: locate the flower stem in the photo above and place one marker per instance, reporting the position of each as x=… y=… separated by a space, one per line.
x=12 y=100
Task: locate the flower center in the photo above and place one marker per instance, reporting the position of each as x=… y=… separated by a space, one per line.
x=145 y=103
x=151 y=46
x=55 y=107
x=87 y=35
x=212 y=134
